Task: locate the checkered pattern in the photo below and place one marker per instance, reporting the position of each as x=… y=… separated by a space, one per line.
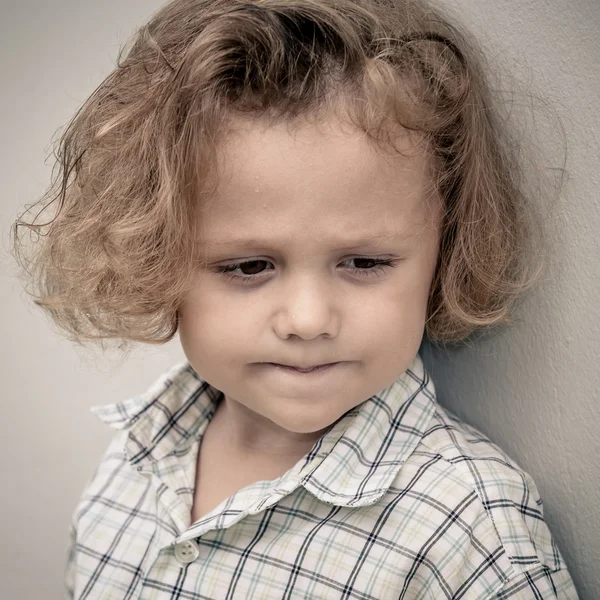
x=399 y=499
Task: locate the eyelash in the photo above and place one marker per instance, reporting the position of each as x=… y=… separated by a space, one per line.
x=379 y=267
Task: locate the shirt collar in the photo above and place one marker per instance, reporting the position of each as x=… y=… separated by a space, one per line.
x=356 y=461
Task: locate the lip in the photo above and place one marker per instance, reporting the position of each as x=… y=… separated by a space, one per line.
x=309 y=371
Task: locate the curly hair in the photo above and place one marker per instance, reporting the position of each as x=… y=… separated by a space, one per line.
x=139 y=155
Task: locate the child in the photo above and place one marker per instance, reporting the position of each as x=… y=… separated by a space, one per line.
x=349 y=149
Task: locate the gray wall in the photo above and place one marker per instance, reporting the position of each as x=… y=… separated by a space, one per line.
x=532 y=389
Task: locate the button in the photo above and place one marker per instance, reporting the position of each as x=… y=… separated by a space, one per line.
x=187 y=552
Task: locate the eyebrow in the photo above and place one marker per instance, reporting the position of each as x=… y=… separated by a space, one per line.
x=372 y=240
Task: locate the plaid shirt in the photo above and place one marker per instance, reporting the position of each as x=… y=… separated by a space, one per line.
x=399 y=499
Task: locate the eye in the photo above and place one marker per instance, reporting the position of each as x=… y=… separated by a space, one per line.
x=250 y=270
x=253 y=266
x=378 y=265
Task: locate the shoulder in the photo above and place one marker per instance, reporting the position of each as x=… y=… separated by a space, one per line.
x=473 y=464
x=113 y=475
x=109 y=473
x=122 y=415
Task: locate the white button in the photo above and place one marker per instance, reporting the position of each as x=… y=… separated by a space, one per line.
x=187 y=552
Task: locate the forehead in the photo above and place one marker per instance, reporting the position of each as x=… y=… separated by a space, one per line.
x=325 y=177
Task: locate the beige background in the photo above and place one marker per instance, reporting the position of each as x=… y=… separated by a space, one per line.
x=533 y=390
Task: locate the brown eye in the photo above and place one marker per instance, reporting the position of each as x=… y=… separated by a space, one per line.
x=252 y=267
x=243 y=271
x=365 y=263
x=368 y=267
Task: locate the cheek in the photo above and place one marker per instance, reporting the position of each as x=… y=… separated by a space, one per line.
x=401 y=323
x=215 y=320
x=411 y=287
x=396 y=316
x=382 y=318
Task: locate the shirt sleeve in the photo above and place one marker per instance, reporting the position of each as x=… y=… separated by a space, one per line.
x=539 y=584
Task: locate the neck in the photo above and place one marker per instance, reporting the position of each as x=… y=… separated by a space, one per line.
x=249 y=433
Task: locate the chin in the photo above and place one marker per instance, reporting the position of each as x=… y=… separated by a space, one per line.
x=307 y=425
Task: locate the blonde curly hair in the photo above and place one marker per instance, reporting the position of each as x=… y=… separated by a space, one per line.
x=139 y=155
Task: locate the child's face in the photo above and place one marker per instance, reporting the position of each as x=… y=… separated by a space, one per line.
x=306 y=196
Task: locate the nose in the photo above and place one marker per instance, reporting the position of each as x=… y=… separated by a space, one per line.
x=307 y=308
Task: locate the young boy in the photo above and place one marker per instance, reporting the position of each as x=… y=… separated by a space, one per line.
x=271 y=482
x=299 y=452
